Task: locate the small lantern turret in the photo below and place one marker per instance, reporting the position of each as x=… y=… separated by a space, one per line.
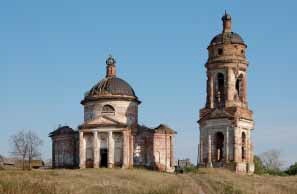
x=227 y=22
x=111 y=67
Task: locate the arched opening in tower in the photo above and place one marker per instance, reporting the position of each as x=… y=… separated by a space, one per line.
x=243 y=146
x=220 y=89
x=219 y=142
x=239 y=87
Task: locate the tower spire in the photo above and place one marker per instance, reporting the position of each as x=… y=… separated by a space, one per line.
x=227 y=23
x=110 y=67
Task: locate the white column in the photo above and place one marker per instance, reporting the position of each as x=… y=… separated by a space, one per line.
x=230 y=85
x=95 y=149
x=209 y=164
x=125 y=149
x=98 y=146
x=248 y=146
x=82 y=150
x=110 y=150
x=237 y=146
x=227 y=145
x=131 y=150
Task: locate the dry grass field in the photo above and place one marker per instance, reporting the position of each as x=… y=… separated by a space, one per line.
x=118 y=181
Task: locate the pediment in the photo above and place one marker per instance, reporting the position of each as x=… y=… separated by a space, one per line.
x=104 y=120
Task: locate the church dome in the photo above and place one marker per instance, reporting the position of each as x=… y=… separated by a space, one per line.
x=227 y=37
x=111 y=86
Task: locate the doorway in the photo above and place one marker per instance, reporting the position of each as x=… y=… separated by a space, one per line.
x=90 y=163
x=219 y=142
x=103 y=158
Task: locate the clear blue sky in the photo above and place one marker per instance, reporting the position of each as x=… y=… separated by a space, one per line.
x=51 y=52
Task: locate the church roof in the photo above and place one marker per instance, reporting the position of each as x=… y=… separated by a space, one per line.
x=111 y=86
x=227 y=37
x=63 y=130
x=162 y=128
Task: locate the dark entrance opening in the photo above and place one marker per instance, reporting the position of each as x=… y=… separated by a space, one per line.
x=243 y=148
x=219 y=145
x=103 y=158
x=90 y=163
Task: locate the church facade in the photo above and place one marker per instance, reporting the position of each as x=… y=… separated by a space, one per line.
x=110 y=135
x=226 y=122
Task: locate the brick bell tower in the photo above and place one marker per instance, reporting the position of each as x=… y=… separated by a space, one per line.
x=226 y=121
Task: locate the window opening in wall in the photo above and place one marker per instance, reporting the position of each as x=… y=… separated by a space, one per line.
x=220 y=51
x=220 y=87
x=238 y=86
x=108 y=110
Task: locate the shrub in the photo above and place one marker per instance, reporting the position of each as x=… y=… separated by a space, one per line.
x=292 y=170
x=259 y=167
x=276 y=172
x=190 y=169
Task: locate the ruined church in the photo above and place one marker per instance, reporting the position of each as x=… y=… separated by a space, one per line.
x=226 y=121
x=110 y=135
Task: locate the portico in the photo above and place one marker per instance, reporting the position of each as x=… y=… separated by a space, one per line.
x=110 y=148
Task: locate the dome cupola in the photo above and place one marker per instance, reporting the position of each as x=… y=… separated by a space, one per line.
x=111 y=87
x=227 y=36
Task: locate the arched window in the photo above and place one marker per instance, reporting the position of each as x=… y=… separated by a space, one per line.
x=108 y=110
x=220 y=89
x=243 y=146
x=239 y=87
x=219 y=142
x=220 y=51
